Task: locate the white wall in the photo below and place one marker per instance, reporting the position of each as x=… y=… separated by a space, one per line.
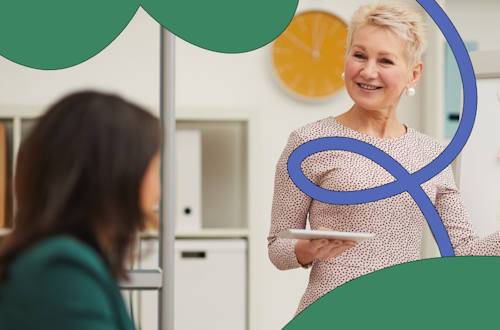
x=205 y=79
x=476 y=20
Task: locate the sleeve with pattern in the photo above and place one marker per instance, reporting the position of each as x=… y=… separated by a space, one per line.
x=451 y=209
x=289 y=210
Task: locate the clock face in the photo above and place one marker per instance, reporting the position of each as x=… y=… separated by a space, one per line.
x=308 y=57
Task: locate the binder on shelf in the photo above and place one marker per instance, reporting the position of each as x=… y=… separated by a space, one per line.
x=3 y=175
x=188 y=179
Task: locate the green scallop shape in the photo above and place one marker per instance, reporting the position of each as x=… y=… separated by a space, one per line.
x=440 y=293
x=56 y=34
x=225 y=26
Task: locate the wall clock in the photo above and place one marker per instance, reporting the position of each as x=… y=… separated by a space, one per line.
x=308 y=57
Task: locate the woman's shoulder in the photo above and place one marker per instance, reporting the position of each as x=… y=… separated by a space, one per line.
x=60 y=283
x=426 y=141
x=320 y=128
x=329 y=126
x=59 y=250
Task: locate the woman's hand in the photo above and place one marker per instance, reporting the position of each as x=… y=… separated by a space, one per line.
x=310 y=250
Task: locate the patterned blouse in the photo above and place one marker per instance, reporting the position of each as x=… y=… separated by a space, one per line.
x=397 y=221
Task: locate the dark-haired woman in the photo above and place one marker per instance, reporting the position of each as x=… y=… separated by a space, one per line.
x=86 y=180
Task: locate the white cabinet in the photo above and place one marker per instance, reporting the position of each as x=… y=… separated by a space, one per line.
x=210 y=285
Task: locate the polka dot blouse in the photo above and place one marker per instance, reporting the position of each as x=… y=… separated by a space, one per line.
x=397 y=221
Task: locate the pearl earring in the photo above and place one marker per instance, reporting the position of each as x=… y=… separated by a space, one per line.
x=410 y=91
x=343 y=76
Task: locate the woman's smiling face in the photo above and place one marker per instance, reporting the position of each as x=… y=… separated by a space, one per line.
x=376 y=71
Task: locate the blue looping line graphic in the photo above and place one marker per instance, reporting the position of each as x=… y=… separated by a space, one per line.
x=404 y=180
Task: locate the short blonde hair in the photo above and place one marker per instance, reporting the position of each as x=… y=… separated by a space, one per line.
x=397 y=19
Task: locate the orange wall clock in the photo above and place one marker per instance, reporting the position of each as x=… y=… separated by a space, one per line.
x=308 y=57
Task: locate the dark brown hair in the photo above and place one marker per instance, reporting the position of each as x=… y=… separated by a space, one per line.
x=79 y=172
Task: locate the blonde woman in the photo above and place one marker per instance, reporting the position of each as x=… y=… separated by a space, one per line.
x=383 y=59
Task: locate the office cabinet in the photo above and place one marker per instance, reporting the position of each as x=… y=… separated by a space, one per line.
x=210 y=285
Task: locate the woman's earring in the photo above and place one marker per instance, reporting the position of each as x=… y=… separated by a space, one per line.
x=410 y=91
x=343 y=76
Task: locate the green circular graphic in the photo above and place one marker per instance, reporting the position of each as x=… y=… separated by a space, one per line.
x=440 y=293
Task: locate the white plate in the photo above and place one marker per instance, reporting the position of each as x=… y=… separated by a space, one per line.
x=315 y=234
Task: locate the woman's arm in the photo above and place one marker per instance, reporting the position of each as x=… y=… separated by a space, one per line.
x=451 y=209
x=289 y=210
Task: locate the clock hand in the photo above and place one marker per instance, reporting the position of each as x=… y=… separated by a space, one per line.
x=331 y=32
x=317 y=36
x=324 y=28
x=314 y=32
x=301 y=45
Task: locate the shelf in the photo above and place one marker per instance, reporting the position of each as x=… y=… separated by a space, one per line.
x=203 y=233
x=4 y=231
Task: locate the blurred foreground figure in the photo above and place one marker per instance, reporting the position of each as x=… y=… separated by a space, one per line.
x=86 y=179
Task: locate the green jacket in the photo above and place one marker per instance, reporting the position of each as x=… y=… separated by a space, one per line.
x=61 y=283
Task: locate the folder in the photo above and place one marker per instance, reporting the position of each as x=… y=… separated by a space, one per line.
x=188 y=180
x=3 y=175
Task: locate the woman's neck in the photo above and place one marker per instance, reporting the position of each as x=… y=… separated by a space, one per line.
x=377 y=123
